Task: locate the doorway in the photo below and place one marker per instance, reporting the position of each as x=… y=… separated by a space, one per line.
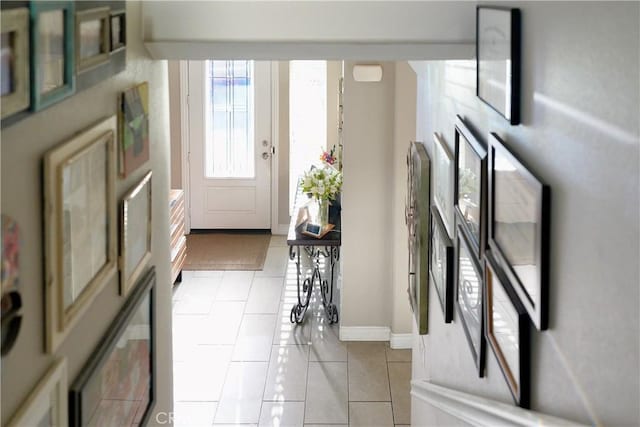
x=230 y=150
x=307 y=118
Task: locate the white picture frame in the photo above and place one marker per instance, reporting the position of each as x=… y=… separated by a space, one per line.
x=93 y=43
x=443 y=177
x=47 y=404
x=135 y=233
x=14 y=58
x=80 y=221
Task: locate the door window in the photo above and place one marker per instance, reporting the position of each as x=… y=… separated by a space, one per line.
x=229 y=119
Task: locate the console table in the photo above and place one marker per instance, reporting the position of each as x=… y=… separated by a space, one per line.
x=328 y=247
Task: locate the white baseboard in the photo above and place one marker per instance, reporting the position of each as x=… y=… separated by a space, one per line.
x=282 y=230
x=364 y=333
x=401 y=341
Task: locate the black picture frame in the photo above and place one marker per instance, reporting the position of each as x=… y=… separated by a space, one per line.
x=470 y=186
x=85 y=391
x=501 y=302
x=498 y=36
x=441 y=254
x=470 y=312
x=118 y=39
x=528 y=215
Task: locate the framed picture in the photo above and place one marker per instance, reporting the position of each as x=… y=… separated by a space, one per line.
x=418 y=224
x=14 y=61
x=507 y=331
x=80 y=226
x=11 y=301
x=11 y=246
x=53 y=60
x=519 y=224
x=470 y=185
x=135 y=237
x=47 y=403
x=117 y=385
x=134 y=128
x=443 y=176
x=469 y=296
x=93 y=37
x=441 y=264
x=97 y=61
x=118 y=30
x=498 y=60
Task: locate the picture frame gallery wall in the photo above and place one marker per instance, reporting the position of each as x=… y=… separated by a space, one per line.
x=81 y=230
x=54 y=49
x=489 y=224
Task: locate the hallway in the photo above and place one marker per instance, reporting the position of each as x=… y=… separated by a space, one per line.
x=239 y=361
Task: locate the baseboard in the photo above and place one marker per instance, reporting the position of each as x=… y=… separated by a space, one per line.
x=364 y=333
x=401 y=341
x=282 y=230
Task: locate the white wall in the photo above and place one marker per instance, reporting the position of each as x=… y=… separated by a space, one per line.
x=321 y=30
x=404 y=131
x=23 y=146
x=366 y=251
x=580 y=134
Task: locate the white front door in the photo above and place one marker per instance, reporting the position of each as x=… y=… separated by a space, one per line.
x=230 y=144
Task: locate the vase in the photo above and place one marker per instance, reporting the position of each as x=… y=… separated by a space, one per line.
x=323 y=212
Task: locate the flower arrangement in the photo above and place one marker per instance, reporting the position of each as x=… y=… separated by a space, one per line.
x=322 y=183
x=329 y=157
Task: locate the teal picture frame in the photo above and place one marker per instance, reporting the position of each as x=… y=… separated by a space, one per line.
x=40 y=100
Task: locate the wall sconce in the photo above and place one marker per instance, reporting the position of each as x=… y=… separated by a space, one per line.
x=367 y=73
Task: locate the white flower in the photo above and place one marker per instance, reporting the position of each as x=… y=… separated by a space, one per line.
x=323 y=184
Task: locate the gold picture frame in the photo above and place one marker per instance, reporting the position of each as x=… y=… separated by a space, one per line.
x=80 y=226
x=135 y=233
x=93 y=44
x=47 y=404
x=15 y=61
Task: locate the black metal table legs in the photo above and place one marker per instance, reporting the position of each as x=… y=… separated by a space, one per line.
x=316 y=254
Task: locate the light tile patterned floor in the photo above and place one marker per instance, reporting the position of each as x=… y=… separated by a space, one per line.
x=239 y=361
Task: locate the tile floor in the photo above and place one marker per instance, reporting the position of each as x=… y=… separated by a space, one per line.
x=239 y=361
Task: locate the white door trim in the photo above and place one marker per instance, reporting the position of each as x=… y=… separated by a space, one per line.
x=184 y=141
x=275 y=144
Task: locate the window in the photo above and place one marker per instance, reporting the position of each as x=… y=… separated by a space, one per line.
x=307 y=118
x=229 y=117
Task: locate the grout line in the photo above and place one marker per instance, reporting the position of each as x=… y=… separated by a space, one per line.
x=348 y=383
x=393 y=415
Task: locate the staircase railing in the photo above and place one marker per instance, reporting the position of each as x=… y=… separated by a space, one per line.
x=480 y=411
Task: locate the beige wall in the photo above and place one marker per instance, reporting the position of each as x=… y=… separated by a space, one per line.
x=366 y=252
x=23 y=146
x=404 y=131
